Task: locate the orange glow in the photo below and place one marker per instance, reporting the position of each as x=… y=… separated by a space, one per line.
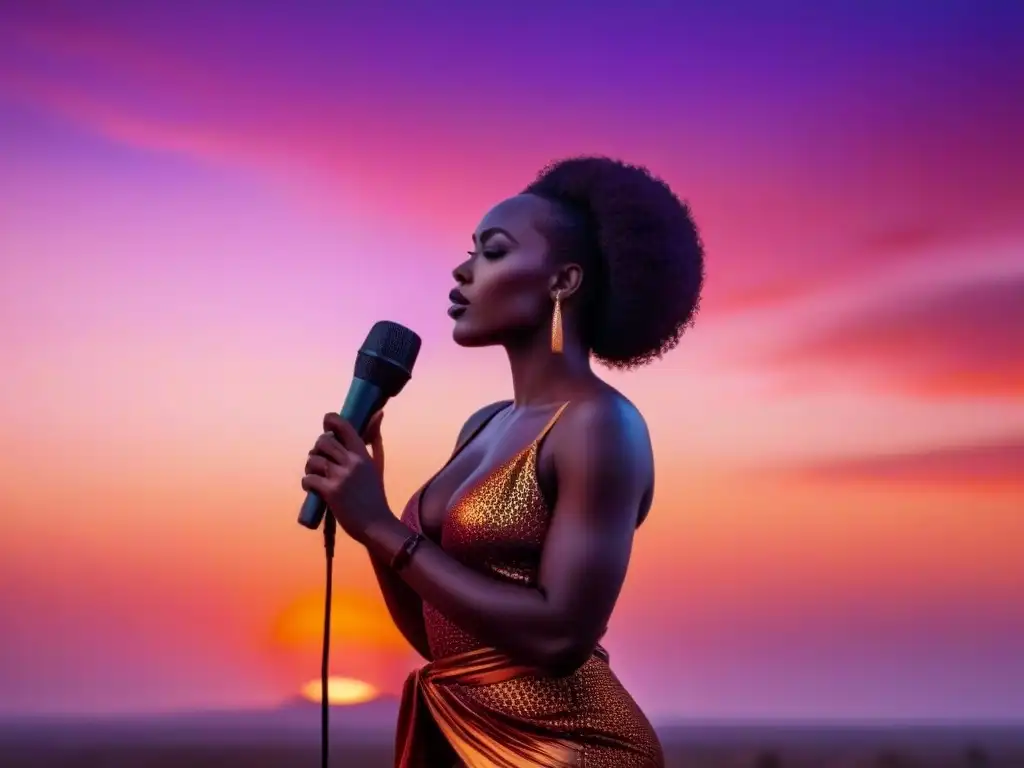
x=341 y=691
x=357 y=619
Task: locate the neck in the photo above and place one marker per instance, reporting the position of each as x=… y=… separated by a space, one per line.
x=543 y=377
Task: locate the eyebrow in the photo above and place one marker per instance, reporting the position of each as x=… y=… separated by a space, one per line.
x=490 y=232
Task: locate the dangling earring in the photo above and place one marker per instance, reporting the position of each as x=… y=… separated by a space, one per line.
x=556 y=325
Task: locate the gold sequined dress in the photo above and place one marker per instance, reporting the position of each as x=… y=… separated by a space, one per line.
x=473 y=706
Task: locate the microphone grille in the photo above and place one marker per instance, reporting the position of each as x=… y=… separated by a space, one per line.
x=393 y=342
x=388 y=356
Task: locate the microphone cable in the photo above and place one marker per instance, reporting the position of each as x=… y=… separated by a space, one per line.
x=330 y=526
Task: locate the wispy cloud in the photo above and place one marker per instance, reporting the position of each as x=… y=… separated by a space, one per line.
x=909 y=238
x=964 y=340
x=992 y=466
x=873 y=181
x=163 y=98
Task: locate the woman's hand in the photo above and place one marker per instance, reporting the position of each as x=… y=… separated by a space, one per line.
x=373 y=438
x=347 y=477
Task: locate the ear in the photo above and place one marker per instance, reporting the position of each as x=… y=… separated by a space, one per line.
x=566 y=281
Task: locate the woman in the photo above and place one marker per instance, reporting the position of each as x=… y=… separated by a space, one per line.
x=504 y=568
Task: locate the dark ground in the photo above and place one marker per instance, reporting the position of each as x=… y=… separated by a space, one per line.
x=228 y=743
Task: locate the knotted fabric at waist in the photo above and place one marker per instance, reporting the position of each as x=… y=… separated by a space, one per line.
x=481 y=737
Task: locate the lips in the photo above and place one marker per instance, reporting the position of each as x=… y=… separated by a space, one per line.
x=459 y=303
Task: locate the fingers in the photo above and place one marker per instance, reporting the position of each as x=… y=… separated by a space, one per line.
x=373 y=437
x=327 y=445
x=345 y=433
x=377 y=446
x=317 y=465
x=372 y=431
x=316 y=484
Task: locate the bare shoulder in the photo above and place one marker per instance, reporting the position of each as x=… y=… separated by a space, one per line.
x=602 y=462
x=603 y=427
x=606 y=411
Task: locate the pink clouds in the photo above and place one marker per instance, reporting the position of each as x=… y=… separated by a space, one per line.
x=984 y=467
x=433 y=161
x=961 y=341
x=115 y=123
x=108 y=85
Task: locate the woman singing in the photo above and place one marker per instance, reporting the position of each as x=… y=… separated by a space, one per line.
x=505 y=566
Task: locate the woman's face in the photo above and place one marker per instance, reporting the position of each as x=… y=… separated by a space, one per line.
x=504 y=288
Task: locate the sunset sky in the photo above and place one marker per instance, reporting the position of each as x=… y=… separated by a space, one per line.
x=204 y=207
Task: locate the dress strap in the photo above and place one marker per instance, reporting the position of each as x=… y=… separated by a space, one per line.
x=551 y=423
x=476 y=424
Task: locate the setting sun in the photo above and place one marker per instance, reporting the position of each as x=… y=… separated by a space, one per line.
x=359 y=620
x=341 y=690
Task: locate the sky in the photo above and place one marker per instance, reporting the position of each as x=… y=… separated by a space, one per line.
x=204 y=206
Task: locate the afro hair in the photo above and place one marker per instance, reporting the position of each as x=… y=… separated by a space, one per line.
x=639 y=241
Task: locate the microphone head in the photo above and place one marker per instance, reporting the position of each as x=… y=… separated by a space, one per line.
x=387 y=356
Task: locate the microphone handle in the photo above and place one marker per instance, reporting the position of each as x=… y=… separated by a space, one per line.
x=363 y=400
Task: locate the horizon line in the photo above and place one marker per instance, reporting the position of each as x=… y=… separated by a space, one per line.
x=751 y=720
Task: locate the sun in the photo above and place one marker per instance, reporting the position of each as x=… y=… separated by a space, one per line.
x=357 y=620
x=341 y=690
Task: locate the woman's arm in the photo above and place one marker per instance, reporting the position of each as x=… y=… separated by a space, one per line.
x=604 y=471
x=402 y=601
x=404 y=605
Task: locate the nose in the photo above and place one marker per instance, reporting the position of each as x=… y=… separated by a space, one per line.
x=462 y=272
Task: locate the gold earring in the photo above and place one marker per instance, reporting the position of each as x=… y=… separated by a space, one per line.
x=556 y=325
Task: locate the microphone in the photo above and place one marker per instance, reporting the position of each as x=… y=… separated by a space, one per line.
x=383 y=366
